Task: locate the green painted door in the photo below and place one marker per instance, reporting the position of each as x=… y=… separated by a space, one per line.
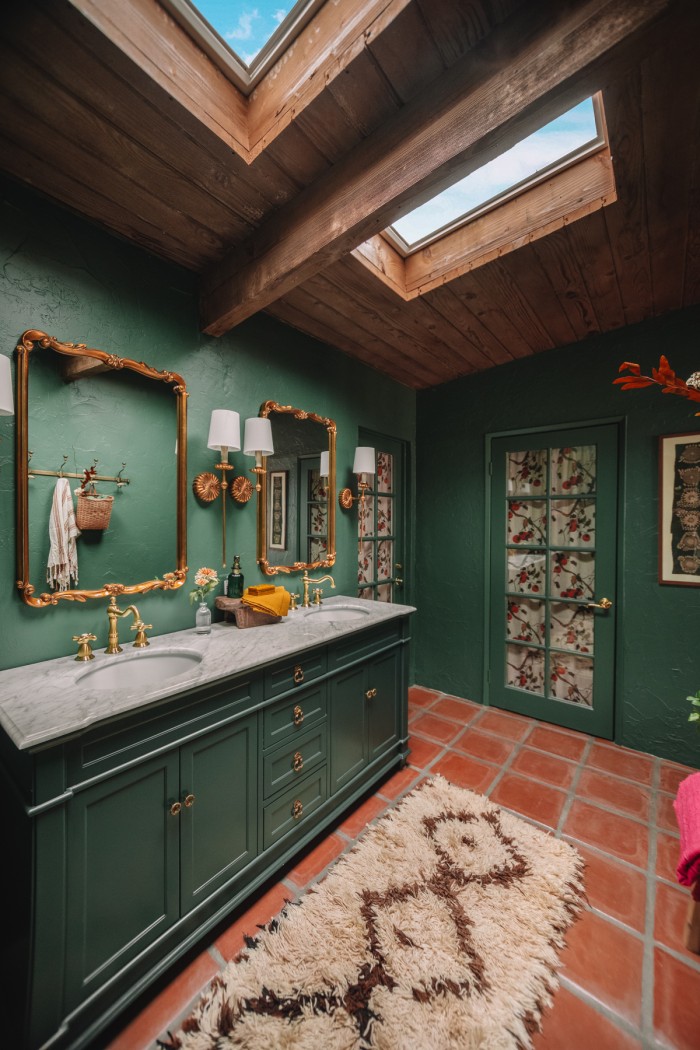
x=348 y=731
x=381 y=524
x=383 y=687
x=553 y=566
x=218 y=826
x=122 y=875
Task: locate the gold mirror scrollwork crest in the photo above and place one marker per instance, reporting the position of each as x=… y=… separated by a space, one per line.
x=32 y=340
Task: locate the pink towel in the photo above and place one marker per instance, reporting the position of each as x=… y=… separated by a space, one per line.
x=687 y=807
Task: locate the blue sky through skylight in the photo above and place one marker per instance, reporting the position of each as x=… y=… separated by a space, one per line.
x=555 y=140
x=246 y=27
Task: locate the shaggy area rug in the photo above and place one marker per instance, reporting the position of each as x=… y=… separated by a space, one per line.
x=438 y=931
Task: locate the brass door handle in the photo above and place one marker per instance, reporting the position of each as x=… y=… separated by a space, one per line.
x=298 y=674
x=175 y=808
x=604 y=603
x=297 y=808
x=189 y=800
x=398 y=582
x=298 y=715
x=370 y=694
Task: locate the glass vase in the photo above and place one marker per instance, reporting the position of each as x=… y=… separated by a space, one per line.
x=203 y=619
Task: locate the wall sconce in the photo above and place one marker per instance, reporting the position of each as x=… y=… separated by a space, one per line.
x=363 y=465
x=325 y=464
x=7 y=407
x=224 y=437
x=258 y=442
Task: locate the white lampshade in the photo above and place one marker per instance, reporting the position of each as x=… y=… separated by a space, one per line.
x=224 y=430
x=7 y=407
x=364 y=460
x=258 y=437
x=325 y=464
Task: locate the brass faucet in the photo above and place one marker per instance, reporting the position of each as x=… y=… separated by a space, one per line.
x=306 y=580
x=139 y=626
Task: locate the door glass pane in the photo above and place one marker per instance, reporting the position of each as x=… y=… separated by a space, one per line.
x=365 y=516
x=571 y=627
x=573 y=470
x=572 y=574
x=318 y=518
x=317 y=548
x=572 y=679
x=527 y=473
x=573 y=522
x=385 y=471
x=365 y=563
x=384 y=515
x=525 y=668
x=526 y=571
x=525 y=621
x=527 y=521
x=384 y=592
x=384 y=558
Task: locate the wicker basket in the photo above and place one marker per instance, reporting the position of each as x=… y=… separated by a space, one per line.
x=93 y=512
x=243 y=616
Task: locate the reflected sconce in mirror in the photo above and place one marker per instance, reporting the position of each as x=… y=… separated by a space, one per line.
x=363 y=466
x=258 y=442
x=7 y=407
x=224 y=437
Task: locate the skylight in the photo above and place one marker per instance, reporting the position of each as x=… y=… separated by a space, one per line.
x=569 y=137
x=244 y=37
x=245 y=26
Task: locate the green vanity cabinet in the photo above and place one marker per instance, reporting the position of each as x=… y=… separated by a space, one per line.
x=141 y=833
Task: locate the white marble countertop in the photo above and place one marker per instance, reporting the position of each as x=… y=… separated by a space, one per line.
x=41 y=703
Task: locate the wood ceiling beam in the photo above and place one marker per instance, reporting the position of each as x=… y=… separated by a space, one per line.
x=524 y=74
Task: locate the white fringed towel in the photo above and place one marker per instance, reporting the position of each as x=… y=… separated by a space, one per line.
x=63 y=531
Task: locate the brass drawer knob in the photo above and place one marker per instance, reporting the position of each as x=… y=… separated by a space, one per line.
x=298 y=675
x=189 y=800
x=297 y=808
x=370 y=694
x=298 y=716
x=175 y=808
x=297 y=761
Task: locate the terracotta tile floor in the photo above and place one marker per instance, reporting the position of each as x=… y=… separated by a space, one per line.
x=627 y=982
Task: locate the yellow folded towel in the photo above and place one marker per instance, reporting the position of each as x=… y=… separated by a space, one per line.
x=262 y=588
x=275 y=604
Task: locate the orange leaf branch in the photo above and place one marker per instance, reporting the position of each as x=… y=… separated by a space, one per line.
x=663 y=376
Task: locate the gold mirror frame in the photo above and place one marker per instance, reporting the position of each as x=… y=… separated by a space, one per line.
x=31 y=340
x=266 y=409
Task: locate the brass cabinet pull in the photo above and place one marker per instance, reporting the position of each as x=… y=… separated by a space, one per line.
x=370 y=694
x=175 y=808
x=189 y=800
x=297 y=761
x=298 y=716
x=297 y=808
x=298 y=674
x=604 y=603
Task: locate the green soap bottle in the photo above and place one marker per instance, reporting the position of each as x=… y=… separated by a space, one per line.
x=235 y=579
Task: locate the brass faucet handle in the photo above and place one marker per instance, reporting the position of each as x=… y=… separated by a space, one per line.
x=84 y=648
x=293 y=599
x=318 y=592
x=141 y=641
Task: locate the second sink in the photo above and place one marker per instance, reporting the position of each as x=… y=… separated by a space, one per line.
x=336 y=613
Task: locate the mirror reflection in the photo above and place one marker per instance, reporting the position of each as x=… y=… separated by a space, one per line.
x=296 y=513
x=97 y=463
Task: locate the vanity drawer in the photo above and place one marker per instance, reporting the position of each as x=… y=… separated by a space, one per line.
x=291 y=718
x=365 y=644
x=291 y=763
x=301 y=799
x=295 y=673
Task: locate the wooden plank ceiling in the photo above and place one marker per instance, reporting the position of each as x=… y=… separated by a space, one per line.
x=277 y=199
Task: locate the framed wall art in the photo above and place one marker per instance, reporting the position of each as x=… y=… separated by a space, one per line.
x=679 y=509
x=277 y=525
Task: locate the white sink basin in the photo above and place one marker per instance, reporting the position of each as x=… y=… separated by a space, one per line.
x=337 y=613
x=122 y=671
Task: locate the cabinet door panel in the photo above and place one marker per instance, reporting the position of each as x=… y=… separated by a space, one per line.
x=348 y=737
x=122 y=872
x=218 y=830
x=382 y=707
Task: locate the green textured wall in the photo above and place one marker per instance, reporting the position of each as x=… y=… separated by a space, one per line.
x=75 y=282
x=658 y=626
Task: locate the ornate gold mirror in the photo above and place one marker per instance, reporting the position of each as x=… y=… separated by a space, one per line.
x=296 y=504
x=115 y=424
